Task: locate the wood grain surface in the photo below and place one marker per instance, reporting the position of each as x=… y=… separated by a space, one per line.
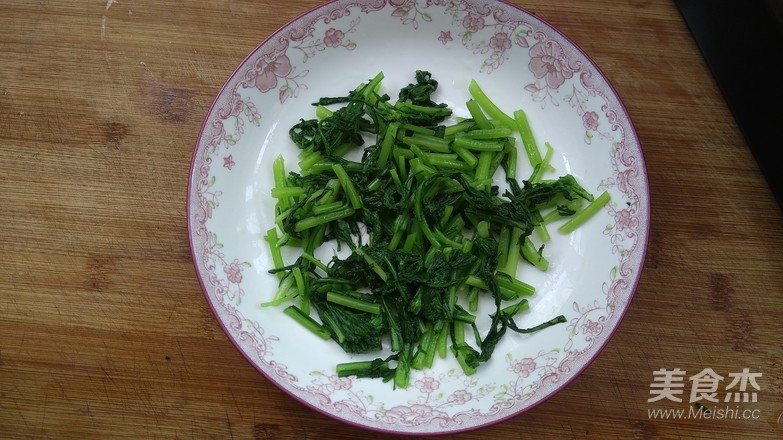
x=105 y=333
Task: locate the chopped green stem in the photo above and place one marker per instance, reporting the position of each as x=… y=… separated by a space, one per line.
x=398 y=230
x=315 y=238
x=459 y=332
x=418 y=152
x=400 y=159
x=418 y=167
x=414 y=236
x=317 y=220
x=484 y=165
x=306 y=163
x=543 y=233
x=489 y=106
x=478 y=115
x=416 y=129
x=331 y=322
x=511 y=162
x=403 y=371
x=504 y=239
x=277 y=255
x=427 y=345
x=521 y=306
x=404 y=152
x=489 y=133
x=320 y=167
x=315 y=261
x=512 y=259
x=448 y=163
x=443 y=339
x=585 y=214
x=447 y=211
x=505 y=291
x=478 y=145
x=329 y=193
x=440 y=156
x=348 y=187
x=327 y=207
x=371 y=87
x=432 y=143
x=373 y=264
x=473 y=298
x=286 y=288
x=467 y=369
x=375 y=185
x=466 y=155
x=387 y=144
x=497 y=160
x=528 y=140
x=512 y=284
x=278 y=172
x=301 y=289
x=285 y=192
x=533 y=255
x=375 y=368
x=553 y=215
x=322 y=112
x=452 y=130
x=464 y=316
x=544 y=166
x=282 y=299
x=357 y=304
x=307 y=322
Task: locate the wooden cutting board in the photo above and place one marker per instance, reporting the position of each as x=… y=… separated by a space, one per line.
x=105 y=331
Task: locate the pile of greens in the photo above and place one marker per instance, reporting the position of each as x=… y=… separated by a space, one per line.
x=427 y=229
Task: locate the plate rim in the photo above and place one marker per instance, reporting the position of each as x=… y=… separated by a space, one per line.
x=645 y=207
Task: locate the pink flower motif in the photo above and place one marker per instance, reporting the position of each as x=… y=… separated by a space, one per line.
x=427 y=385
x=623 y=219
x=445 y=37
x=237 y=105
x=548 y=62
x=524 y=367
x=590 y=120
x=228 y=162
x=397 y=3
x=233 y=272
x=622 y=180
x=414 y=413
x=333 y=37
x=473 y=23
x=339 y=383
x=591 y=327
x=266 y=79
x=500 y=41
x=460 y=396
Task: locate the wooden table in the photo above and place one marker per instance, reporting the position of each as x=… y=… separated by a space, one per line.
x=105 y=331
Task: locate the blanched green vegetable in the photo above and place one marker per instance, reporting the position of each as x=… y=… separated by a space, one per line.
x=426 y=227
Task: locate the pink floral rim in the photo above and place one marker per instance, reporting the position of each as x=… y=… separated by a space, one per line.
x=495 y=32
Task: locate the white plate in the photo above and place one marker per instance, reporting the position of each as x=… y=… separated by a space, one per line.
x=520 y=62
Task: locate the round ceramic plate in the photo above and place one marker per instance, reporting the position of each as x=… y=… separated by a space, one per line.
x=520 y=62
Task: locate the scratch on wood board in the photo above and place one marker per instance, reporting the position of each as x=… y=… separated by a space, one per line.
x=109 y=3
